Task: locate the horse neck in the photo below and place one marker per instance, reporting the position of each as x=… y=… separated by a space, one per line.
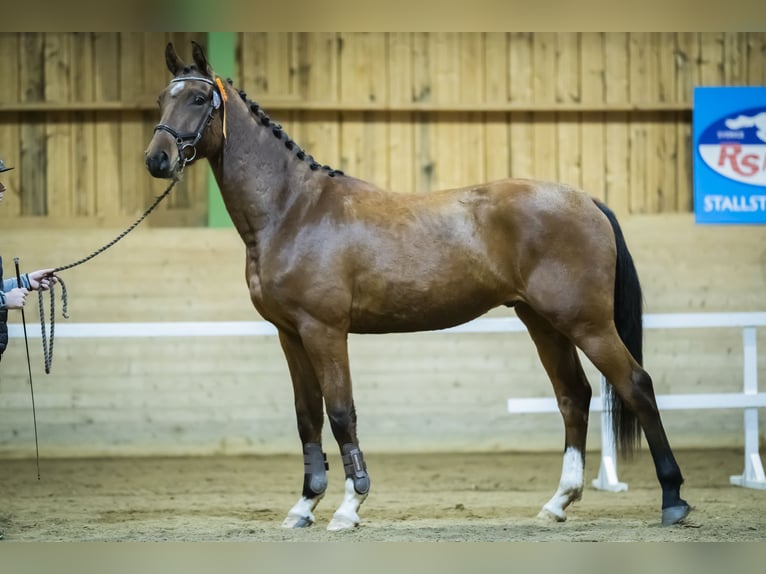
x=253 y=169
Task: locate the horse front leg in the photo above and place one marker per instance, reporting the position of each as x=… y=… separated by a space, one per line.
x=328 y=351
x=310 y=417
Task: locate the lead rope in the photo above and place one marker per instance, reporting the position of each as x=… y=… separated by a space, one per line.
x=48 y=350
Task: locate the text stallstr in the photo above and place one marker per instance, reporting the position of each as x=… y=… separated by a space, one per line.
x=735 y=203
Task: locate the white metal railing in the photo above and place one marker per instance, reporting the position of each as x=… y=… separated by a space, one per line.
x=749 y=400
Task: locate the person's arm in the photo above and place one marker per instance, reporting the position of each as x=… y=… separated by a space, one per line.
x=12 y=283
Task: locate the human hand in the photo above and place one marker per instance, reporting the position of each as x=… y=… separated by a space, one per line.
x=16 y=298
x=42 y=279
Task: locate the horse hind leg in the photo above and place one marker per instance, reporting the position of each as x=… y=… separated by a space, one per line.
x=559 y=358
x=310 y=416
x=634 y=388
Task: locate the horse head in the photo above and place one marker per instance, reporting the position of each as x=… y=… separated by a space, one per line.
x=190 y=127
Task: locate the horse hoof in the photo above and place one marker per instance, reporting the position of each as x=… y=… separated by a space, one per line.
x=294 y=521
x=675 y=514
x=549 y=515
x=340 y=522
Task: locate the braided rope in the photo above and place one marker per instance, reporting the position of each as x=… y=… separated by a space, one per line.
x=48 y=351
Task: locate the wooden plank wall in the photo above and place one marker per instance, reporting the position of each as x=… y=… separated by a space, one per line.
x=609 y=112
x=76 y=113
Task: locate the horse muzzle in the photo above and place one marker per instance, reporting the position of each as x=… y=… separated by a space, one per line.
x=159 y=165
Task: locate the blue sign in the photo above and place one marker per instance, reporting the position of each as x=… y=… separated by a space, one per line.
x=729 y=134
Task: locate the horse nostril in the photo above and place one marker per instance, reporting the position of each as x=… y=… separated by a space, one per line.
x=164 y=162
x=158 y=164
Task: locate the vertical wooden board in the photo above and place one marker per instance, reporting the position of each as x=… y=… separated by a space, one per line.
x=134 y=191
x=637 y=164
x=735 y=58
x=363 y=80
x=10 y=151
x=666 y=90
x=401 y=129
x=641 y=67
x=545 y=150
x=684 y=186
x=593 y=126
x=616 y=68
x=375 y=148
x=445 y=82
x=665 y=136
x=687 y=76
x=253 y=65
x=107 y=89
x=496 y=73
x=278 y=64
x=592 y=68
x=34 y=157
x=58 y=128
x=687 y=70
x=568 y=65
x=756 y=58
x=422 y=91
x=496 y=125
x=363 y=154
x=83 y=126
x=569 y=152
x=668 y=164
x=318 y=133
x=363 y=68
x=470 y=153
x=520 y=67
x=711 y=58
x=544 y=67
x=522 y=135
x=593 y=171
x=521 y=91
x=655 y=160
x=318 y=67
x=259 y=65
x=401 y=152
x=568 y=90
x=545 y=147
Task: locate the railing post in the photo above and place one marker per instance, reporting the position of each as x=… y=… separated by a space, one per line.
x=607 y=472
x=753 y=476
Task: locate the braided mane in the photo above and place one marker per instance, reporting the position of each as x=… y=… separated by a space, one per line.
x=280 y=134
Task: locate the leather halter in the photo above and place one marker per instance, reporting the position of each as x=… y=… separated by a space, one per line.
x=190 y=139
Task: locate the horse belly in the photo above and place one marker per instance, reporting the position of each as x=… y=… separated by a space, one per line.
x=400 y=307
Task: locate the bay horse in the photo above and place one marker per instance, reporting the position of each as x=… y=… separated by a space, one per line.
x=328 y=254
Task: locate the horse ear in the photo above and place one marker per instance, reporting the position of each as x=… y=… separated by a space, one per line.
x=172 y=60
x=200 y=60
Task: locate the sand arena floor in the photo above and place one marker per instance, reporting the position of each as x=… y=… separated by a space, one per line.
x=433 y=497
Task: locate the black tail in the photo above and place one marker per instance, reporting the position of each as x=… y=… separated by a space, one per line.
x=628 y=315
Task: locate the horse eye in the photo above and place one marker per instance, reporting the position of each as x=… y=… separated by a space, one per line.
x=199 y=100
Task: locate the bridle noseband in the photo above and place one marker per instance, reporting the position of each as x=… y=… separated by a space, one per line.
x=190 y=139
